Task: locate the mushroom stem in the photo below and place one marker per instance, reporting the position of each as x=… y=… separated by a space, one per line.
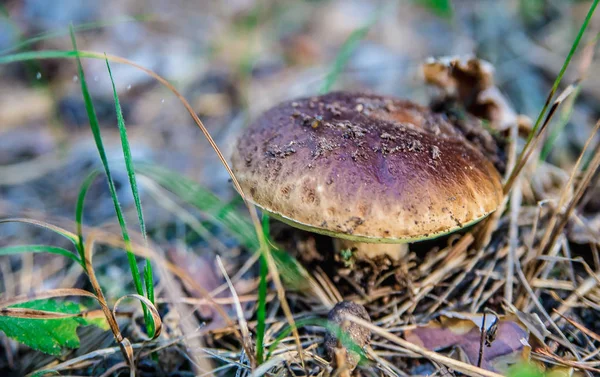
x=395 y=251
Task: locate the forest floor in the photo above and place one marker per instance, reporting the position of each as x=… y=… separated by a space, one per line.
x=523 y=285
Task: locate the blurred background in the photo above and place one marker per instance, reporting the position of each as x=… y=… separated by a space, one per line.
x=234 y=59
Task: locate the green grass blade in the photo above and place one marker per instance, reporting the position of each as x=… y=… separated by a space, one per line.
x=149 y=282
x=148 y=275
x=32 y=67
x=186 y=189
x=20 y=249
x=571 y=53
x=79 y=210
x=563 y=120
x=561 y=73
x=127 y=155
x=45 y=373
x=211 y=205
x=261 y=313
x=224 y=214
x=46 y=54
x=291 y=271
x=441 y=8
x=332 y=327
x=95 y=127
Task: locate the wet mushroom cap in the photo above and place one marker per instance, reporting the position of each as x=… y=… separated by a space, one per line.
x=366 y=168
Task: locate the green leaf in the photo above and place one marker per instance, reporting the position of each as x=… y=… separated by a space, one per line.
x=50 y=336
x=525 y=370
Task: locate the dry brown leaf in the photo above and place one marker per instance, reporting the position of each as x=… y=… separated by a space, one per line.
x=204 y=271
x=507 y=338
x=563 y=371
x=531 y=322
x=470 y=82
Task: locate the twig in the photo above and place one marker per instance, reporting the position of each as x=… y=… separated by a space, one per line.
x=583 y=184
x=481 y=340
x=530 y=147
x=541 y=308
x=583 y=288
x=564 y=195
x=513 y=233
x=240 y=314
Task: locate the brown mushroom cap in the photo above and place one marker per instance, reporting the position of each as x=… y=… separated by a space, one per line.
x=366 y=168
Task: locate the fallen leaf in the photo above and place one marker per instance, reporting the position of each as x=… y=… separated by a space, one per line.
x=205 y=274
x=507 y=341
x=531 y=322
x=470 y=82
x=50 y=336
x=563 y=371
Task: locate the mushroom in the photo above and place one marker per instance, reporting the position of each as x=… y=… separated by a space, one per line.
x=373 y=172
x=359 y=335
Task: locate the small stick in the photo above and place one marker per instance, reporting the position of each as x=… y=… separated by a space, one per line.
x=481 y=341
